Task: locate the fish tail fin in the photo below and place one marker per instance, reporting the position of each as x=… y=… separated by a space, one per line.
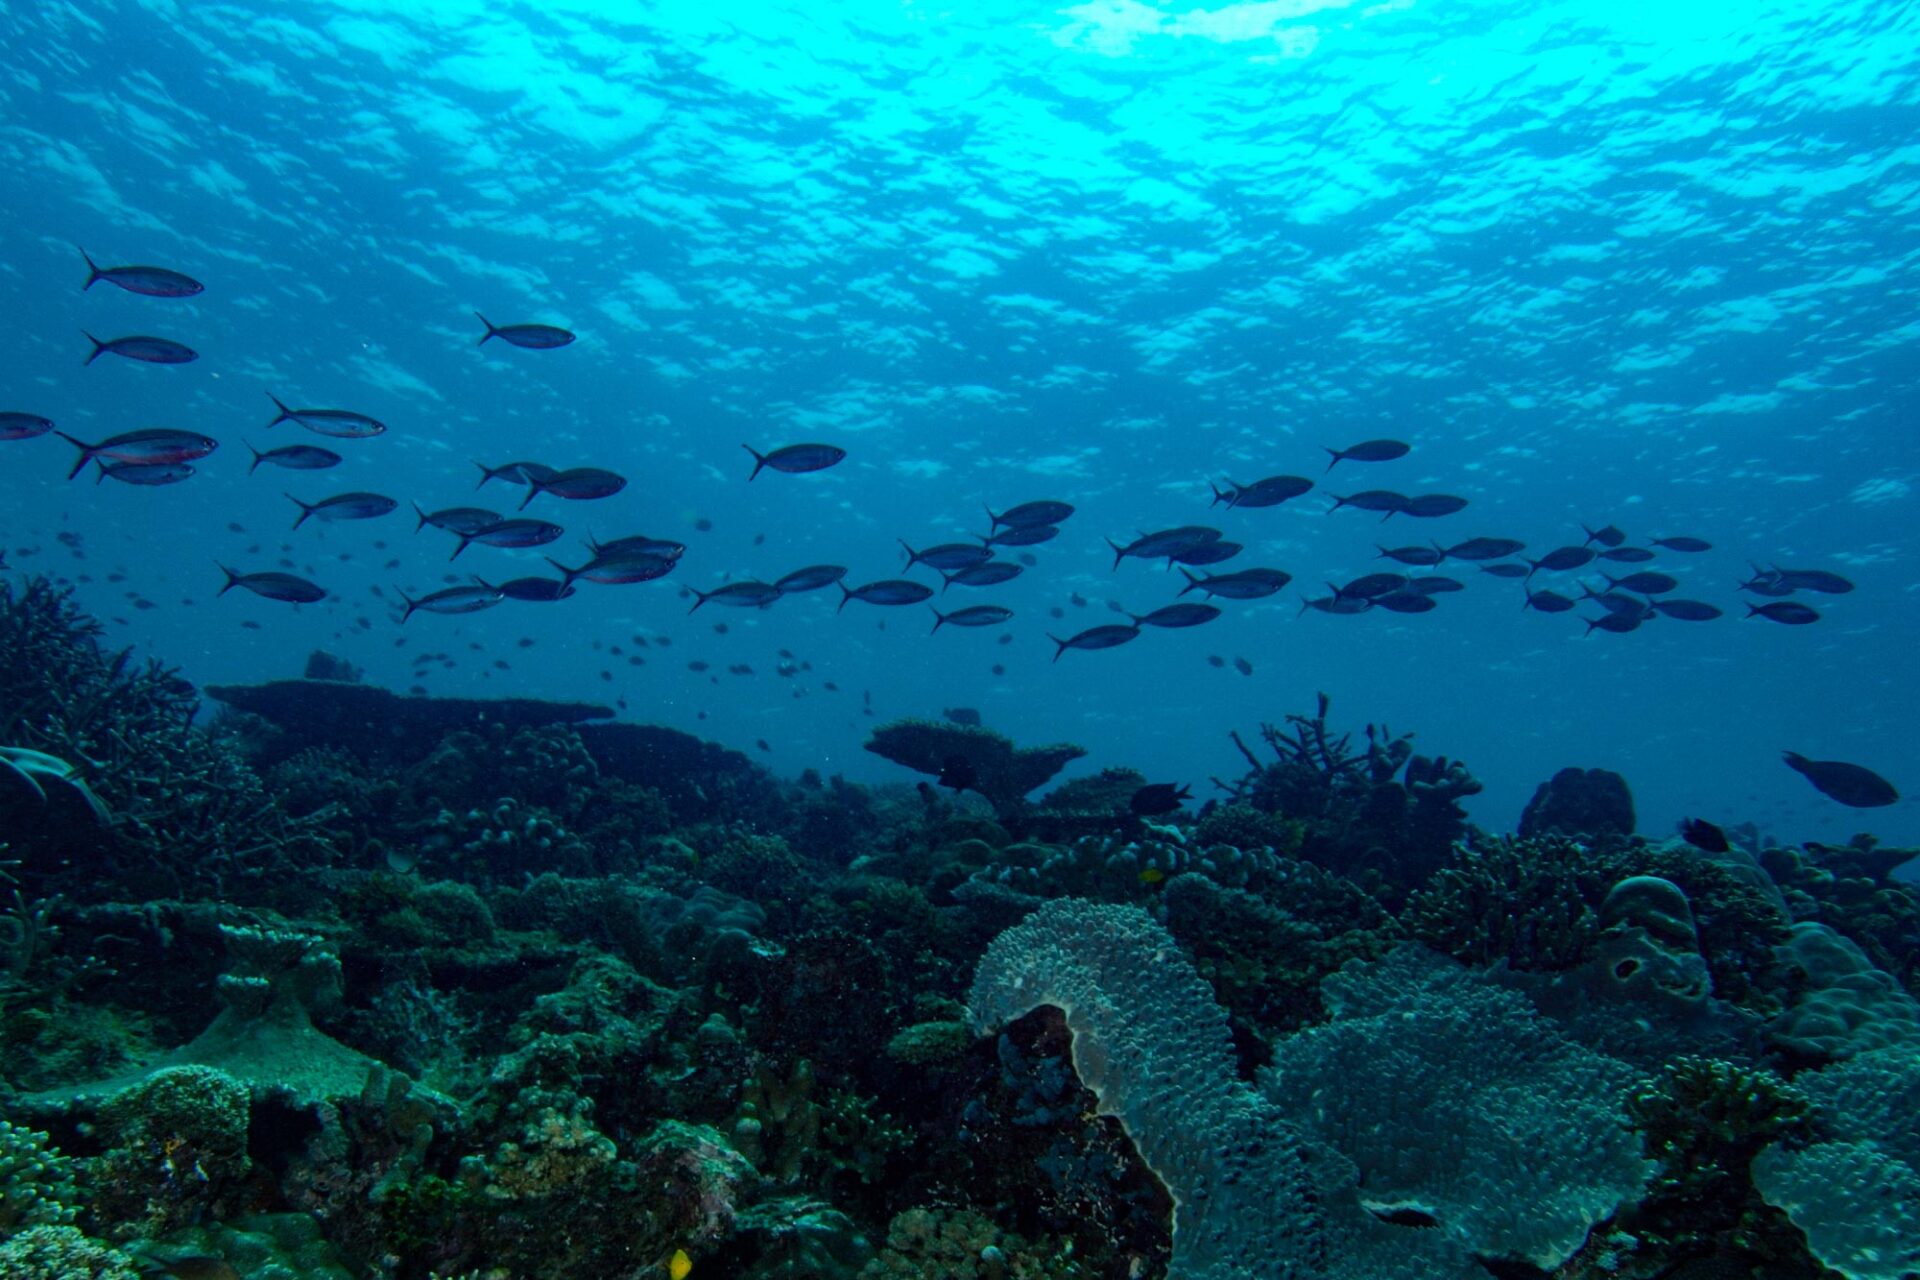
x=946 y=580
x=938 y=618
x=1338 y=502
x=912 y=555
x=1119 y=552
x=286 y=414
x=699 y=598
x=416 y=510
x=568 y=575
x=407 y=600
x=533 y=491
x=233 y=579
x=101 y=474
x=94 y=273
x=486 y=473
x=1305 y=604
x=1058 y=641
x=490 y=329
x=1442 y=550
x=98 y=347
x=1192 y=582
x=759 y=460
x=993 y=521
x=257 y=455
x=1218 y=496
x=86 y=453
x=1752 y=609
x=1333 y=458
x=1794 y=760
x=846 y=594
x=305 y=510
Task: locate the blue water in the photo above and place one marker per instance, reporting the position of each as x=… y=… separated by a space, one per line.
x=1646 y=264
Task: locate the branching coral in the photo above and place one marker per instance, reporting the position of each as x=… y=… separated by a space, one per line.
x=1000 y=771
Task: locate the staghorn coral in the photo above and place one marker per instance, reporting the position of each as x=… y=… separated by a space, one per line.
x=62 y=1253
x=36 y=1185
x=1003 y=773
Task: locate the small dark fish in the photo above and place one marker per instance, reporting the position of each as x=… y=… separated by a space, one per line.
x=1157 y=798
x=1687 y=610
x=961 y=715
x=517 y=533
x=1245 y=584
x=1029 y=514
x=1215 y=661
x=1616 y=623
x=144 y=349
x=979 y=615
x=1785 y=611
x=1648 y=582
x=1850 y=784
x=1430 y=505
x=162 y=444
x=343 y=424
x=617 y=570
x=1627 y=555
x=1101 y=637
x=460 y=520
x=887 y=591
x=1373 y=585
x=1368 y=451
x=1419 y=557
x=1436 y=584
x=295 y=457
x=1165 y=542
x=948 y=555
x=1683 y=543
x=516 y=472
x=638 y=545
x=1766 y=582
x=1547 y=602
x=1702 y=834
x=534 y=337
x=538 y=590
x=1813 y=580
x=23 y=426
x=1028 y=559
x=1477 y=549
x=1022 y=535
x=762 y=744
x=1406 y=602
x=471 y=599
x=146 y=474
x=1336 y=603
x=274 y=586
x=153 y=282
x=1615 y=602
x=957 y=772
x=1564 y=558
x=811 y=578
x=1606 y=537
x=1176 y=615
x=344 y=506
x=796 y=459
x=1270 y=492
x=1244 y=667
x=1506 y=570
x=1372 y=500
x=575 y=484
x=990 y=574
x=740 y=595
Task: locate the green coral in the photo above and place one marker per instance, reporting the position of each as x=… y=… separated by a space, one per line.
x=960 y=1244
x=925 y=1043
x=62 y=1253
x=176 y=1147
x=36 y=1185
x=1245 y=827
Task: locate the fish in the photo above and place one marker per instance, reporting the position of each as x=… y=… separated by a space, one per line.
x=274 y=586
x=1157 y=798
x=1245 y=584
x=460 y=520
x=1241 y=665
x=1165 y=542
x=617 y=570
x=1813 y=580
x=341 y=423
x=1606 y=536
x=23 y=426
x=1615 y=623
x=796 y=459
x=1784 y=611
x=1546 y=601
x=1029 y=514
x=1024 y=535
x=142 y=348
x=1419 y=557
x=948 y=555
x=1477 y=549
x=1853 y=785
x=1368 y=451
x=1176 y=615
x=575 y=484
x=990 y=574
x=1703 y=835
x=152 y=282
x=344 y=506
x=534 y=337
x=517 y=533
x=1615 y=602
x=144 y=473
x=1682 y=542
x=157 y=445
x=811 y=578
x=887 y=591
x=1373 y=585
x=1270 y=492
x=1436 y=584
x=1506 y=570
x=1647 y=582
x=295 y=457
x=516 y=472
x=1336 y=603
x=1406 y=602
x=1371 y=500
x=1564 y=558
x=1106 y=636
x=1687 y=610
x=742 y=595
x=1206 y=553
x=468 y=599
x=978 y=615
x=538 y=590
x=1430 y=505
x=961 y=715
x=958 y=772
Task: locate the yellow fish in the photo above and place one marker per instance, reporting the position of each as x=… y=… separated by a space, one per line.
x=680 y=1266
x=1152 y=875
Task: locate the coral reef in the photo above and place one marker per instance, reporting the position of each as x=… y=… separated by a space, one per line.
x=1580 y=803
x=1001 y=772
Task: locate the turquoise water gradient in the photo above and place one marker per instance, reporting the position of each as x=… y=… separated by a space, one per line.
x=1648 y=264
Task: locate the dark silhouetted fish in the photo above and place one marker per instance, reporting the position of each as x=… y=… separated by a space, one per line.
x=342 y=424
x=1626 y=555
x=1607 y=536
x=274 y=586
x=1029 y=514
x=1478 y=549
x=516 y=472
x=617 y=570
x=1547 y=601
x=948 y=555
x=887 y=591
x=1270 y=492
x=1648 y=582
x=1206 y=553
x=1703 y=835
x=1616 y=623
x=534 y=337
x=575 y=484
x=23 y=426
x=1241 y=665
x=1368 y=451
x=1420 y=557
x=962 y=715
x=1614 y=602
x=1373 y=585
x=516 y=533
x=1157 y=798
x=978 y=615
x=1023 y=535
x=1245 y=584
x=1336 y=603
x=1507 y=570
x=796 y=459
x=144 y=349
x=811 y=578
x=1101 y=637
x=1687 y=610
x=152 y=282
x=1406 y=602
x=295 y=457
x=1164 y=542
x=1176 y=615
x=1851 y=784
x=147 y=448
x=1785 y=611
x=1430 y=505
x=990 y=574
x=536 y=590
x=1371 y=500
x=1813 y=580
x=344 y=506
x=1436 y=584
x=468 y=599
x=739 y=595
x=640 y=545
x=1683 y=543
x=145 y=474
x=1561 y=559
x=456 y=519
